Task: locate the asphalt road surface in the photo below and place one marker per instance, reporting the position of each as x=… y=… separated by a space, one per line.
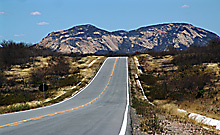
x=99 y=109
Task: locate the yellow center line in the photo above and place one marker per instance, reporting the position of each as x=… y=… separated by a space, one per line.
x=40 y=117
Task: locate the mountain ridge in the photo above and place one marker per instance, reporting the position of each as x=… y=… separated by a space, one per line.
x=89 y=39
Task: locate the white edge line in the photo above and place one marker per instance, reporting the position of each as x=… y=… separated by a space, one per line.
x=142 y=90
x=124 y=124
x=61 y=101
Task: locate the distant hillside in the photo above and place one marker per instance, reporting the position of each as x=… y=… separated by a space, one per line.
x=88 y=39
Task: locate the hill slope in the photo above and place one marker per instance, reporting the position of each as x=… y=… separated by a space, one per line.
x=90 y=39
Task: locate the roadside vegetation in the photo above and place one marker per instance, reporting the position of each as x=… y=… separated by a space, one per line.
x=24 y=68
x=148 y=121
x=159 y=119
x=12 y=53
x=187 y=79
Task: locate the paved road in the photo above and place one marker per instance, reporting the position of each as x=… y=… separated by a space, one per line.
x=99 y=109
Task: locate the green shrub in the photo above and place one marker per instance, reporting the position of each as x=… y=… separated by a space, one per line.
x=148 y=79
x=12 y=53
x=73 y=80
x=18 y=97
x=2 y=79
x=189 y=81
x=199 y=54
x=157 y=92
x=200 y=93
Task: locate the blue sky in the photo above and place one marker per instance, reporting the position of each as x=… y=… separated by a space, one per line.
x=31 y=20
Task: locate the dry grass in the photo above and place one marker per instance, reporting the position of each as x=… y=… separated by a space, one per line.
x=20 y=106
x=89 y=72
x=147 y=113
x=156 y=65
x=23 y=73
x=207 y=105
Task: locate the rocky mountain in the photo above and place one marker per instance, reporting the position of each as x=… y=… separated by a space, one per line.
x=88 y=39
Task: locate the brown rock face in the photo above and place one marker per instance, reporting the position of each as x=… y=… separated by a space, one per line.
x=88 y=39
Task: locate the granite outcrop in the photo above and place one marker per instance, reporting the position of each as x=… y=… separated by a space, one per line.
x=88 y=39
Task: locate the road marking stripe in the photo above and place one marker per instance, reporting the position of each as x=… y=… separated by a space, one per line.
x=39 y=117
x=124 y=124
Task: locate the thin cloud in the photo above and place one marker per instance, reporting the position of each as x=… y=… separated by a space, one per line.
x=18 y=35
x=42 y=23
x=185 y=6
x=35 y=13
x=2 y=13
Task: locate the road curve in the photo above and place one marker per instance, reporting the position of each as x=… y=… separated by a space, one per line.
x=99 y=109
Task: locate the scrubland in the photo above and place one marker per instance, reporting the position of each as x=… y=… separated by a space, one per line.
x=20 y=80
x=187 y=79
